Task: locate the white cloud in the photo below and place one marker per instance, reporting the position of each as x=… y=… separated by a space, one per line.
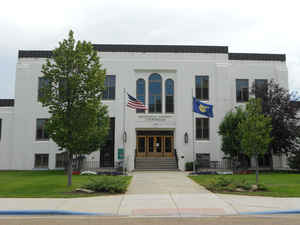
x=243 y=26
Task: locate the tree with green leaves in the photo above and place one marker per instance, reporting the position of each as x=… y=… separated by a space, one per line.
x=79 y=121
x=255 y=132
x=231 y=143
x=277 y=104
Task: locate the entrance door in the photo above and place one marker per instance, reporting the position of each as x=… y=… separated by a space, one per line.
x=155 y=144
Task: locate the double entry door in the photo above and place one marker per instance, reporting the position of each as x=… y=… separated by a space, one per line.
x=155 y=145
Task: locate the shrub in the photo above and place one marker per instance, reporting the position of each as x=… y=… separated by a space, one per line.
x=243 y=184
x=262 y=187
x=108 y=184
x=189 y=166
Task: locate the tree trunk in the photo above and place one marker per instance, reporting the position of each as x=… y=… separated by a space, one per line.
x=70 y=161
x=256 y=169
x=271 y=160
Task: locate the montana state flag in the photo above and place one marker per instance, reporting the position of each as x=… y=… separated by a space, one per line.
x=202 y=108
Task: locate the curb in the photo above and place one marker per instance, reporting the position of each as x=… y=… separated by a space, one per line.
x=272 y=212
x=49 y=212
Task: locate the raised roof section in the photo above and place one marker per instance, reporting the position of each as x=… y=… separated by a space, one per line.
x=165 y=49
x=256 y=56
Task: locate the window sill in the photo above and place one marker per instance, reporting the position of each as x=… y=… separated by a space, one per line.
x=42 y=140
x=203 y=140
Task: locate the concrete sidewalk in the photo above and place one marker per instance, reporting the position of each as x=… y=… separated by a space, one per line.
x=158 y=194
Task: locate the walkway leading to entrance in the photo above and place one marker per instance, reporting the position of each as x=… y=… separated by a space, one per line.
x=170 y=194
x=161 y=182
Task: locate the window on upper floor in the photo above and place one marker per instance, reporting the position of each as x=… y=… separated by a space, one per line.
x=261 y=86
x=43 y=82
x=169 y=92
x=155 y=93
x=202 y=128
x=242 y=90
x=140 y=93
x=202 y=87
x=41 y=160
x=41 y=133
x=109 y=92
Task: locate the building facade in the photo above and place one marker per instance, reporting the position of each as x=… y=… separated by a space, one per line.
x=165 y=78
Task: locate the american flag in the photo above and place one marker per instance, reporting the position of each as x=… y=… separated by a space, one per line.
x=135 y=104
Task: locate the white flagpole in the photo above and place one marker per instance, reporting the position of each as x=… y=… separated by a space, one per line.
x=193 y=127
x=123 y=135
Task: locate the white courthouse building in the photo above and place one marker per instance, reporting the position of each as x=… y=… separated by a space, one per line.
x=163 y=77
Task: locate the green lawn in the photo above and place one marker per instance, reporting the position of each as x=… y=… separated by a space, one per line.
x=278 y=184
x=37 y=184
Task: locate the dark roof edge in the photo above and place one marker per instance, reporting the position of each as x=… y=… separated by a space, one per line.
x=7 y=102
x=165 y=49
x=135 y=48
x=257 y=56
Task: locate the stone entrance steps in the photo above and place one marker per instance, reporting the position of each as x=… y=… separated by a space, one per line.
x=155 y=163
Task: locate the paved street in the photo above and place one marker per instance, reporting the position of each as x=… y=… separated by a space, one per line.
x=229 y=220
x=159 y=194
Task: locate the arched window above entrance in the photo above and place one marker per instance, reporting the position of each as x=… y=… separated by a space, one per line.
x=155 y=93
x=169 y=92
x=140 y=93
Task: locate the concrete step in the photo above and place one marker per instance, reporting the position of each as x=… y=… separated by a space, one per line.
x=155 y=164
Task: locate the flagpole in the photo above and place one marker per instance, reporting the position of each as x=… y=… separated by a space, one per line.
x=193 y=127
x=123 y=135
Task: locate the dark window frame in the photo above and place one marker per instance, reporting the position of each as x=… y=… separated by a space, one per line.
x=41 y=82
x=170 y=96
x=43 y=165
x=156 y=96
x=44 y=135
x=61 y=163
x=264 y=85
x=199 y=90
x=138 y=95
x=110 y=88
x=201 y=134
x=240 y=89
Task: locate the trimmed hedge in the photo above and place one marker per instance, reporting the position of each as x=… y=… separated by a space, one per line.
x=108 y=184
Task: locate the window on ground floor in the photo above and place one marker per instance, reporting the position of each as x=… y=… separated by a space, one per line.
x=202 y=128
x=60 y=160
x=203 y=160
x=41 y=161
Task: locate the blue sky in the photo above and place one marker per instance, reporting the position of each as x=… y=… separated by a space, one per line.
x=243 y=26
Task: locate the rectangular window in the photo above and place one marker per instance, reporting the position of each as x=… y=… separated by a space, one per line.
x=242 y=90
x=261 y=86
x=41 y=134
x=203 y=160
x=0 y=128
x=202 y=128
x=43 y=82
x=41 y=161
x=60 y=160
x=202 y=87
x=110 y=87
